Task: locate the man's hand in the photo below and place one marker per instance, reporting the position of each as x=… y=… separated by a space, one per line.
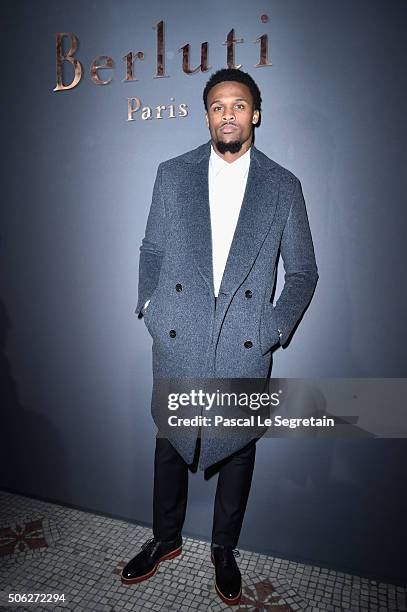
x=143 y=310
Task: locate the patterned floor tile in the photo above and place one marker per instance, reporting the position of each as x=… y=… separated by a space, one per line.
x=51 y=549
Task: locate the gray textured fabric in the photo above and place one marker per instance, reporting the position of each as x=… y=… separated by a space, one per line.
x=176 y=249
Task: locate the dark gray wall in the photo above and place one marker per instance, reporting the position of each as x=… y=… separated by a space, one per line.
x=77 y=183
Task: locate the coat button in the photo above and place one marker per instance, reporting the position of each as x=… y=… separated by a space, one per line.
x=173 y=333
x=178 y=287
x=248 y=344
x=248 y=293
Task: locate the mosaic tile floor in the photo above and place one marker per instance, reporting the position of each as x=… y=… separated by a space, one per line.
x=46 y=548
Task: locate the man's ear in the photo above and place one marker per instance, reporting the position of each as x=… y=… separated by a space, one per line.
x=206 y=119
x=255 y=118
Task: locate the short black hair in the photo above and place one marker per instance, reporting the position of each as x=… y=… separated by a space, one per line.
x=233 y=74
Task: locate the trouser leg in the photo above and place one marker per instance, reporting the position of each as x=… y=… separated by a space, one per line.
x=170 y=491
x=232 y=492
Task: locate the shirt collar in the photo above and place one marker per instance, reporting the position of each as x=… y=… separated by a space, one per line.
x=241 y=165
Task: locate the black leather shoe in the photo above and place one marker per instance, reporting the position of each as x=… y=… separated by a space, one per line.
x=144 y=565
x=228 y=583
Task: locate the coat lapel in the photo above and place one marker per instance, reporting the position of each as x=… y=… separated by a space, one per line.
x=256 y=215
x=198 y=218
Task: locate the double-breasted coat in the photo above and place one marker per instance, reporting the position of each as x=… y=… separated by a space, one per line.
x=191 y=338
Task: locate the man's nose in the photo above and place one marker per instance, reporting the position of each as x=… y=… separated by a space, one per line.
x=228 y=115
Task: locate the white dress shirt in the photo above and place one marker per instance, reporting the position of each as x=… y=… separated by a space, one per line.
x=227 y=184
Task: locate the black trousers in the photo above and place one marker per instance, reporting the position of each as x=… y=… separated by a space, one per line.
x=171 y=491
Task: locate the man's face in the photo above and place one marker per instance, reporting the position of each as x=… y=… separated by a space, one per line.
x=230 y=116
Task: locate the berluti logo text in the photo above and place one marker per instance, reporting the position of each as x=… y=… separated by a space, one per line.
x=134 y=104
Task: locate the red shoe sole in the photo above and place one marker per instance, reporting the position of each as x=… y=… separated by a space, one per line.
x=170 y=555
x=229 y=601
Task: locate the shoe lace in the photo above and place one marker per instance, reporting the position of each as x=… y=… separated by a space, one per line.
x=226 y=554
x=151 y=543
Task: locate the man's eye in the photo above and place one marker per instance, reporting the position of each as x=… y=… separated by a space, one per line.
x=216 y=108
x=239 y=105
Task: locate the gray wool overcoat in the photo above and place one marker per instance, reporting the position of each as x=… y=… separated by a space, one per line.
x=193 y=339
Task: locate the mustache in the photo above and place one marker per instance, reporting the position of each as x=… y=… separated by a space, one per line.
x=228 y=123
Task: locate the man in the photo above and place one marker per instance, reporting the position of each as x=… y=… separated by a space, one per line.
x=220 y=216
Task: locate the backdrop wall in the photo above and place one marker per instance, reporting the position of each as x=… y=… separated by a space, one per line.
x=77 y=185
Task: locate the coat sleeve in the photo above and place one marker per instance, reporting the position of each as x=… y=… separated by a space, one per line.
x=152 y=247
x=301 y=273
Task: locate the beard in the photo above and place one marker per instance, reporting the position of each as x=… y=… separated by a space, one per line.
x=232 y=147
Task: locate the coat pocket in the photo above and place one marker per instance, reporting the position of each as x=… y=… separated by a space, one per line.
x=149 y=311
x=269 y=335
